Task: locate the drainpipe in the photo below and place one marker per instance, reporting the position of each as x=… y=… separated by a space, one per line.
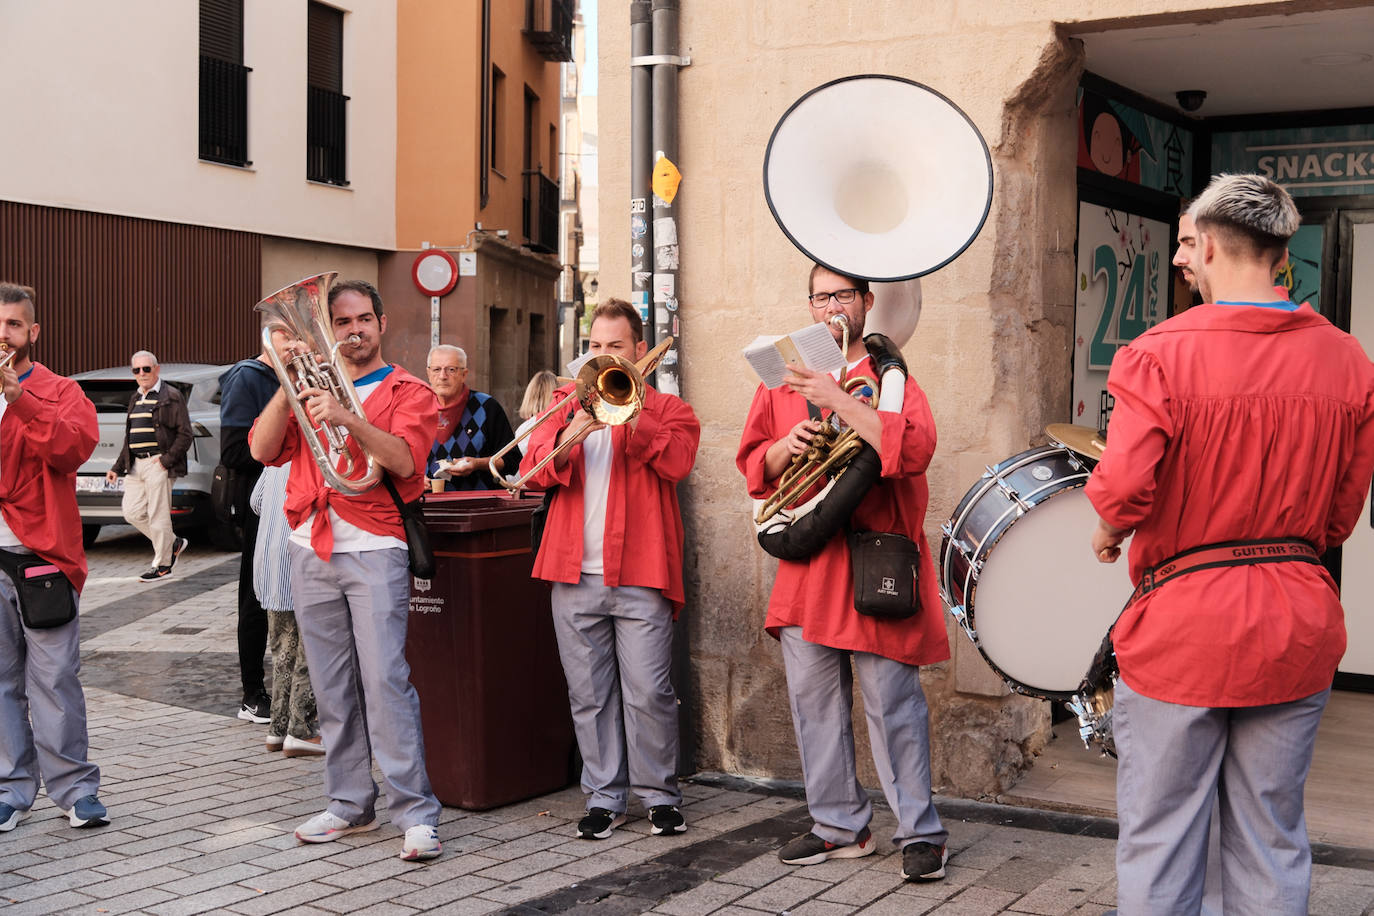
x=666 y=293
x=641 y=161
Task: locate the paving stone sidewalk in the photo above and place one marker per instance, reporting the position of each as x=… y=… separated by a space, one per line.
x=202 y=815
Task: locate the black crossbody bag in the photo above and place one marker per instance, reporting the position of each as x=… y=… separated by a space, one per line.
x=46 y=596
x=421 y=554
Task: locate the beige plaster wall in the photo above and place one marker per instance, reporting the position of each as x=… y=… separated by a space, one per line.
x=992 y=349
x=105 y=99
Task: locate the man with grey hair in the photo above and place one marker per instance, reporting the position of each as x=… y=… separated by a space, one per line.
x=472 y=425
x=1242 y=444
x=154 y=454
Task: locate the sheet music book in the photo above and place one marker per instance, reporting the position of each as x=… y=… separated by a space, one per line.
x=812 y=346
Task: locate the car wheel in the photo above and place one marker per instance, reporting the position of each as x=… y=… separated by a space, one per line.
x=88 y=534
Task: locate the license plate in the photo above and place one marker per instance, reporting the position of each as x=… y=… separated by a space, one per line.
x=99 y=485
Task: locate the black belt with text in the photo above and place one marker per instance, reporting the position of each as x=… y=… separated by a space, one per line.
x=1226 y=553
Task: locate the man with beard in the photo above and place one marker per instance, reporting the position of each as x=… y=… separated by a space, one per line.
x=350 y=583
x=1228 y=647
x=812 y=609
x=47 y=430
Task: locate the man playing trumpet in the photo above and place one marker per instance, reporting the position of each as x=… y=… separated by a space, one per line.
x=612 y=547
x=812 y=609
x=350 y=583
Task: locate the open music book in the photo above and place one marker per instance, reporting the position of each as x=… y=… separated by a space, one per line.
x=812 y=346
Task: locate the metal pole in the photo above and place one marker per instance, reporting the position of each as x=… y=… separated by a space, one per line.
x=641 y=163
x=667 y=294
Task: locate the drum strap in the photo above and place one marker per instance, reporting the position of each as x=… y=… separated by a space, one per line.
x=1225 y=553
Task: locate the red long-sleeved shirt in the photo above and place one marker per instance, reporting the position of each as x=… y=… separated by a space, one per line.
x=1235 y=422
x=818 y=594
x=46 y=434
x=402 y=405
x=641 y=506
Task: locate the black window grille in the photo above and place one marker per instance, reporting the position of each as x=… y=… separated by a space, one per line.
x=540 y=215
x=326 y=106
x=223 y=83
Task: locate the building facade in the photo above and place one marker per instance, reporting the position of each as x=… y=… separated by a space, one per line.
x=179 y=162
x=1015 y=333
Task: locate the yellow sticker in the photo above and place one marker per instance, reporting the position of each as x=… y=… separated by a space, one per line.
x=666 y=179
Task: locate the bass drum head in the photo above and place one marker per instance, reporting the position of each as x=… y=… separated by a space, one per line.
x=1043 y=603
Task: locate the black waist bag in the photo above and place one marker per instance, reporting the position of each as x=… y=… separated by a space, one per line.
x=885 y=569
x=46 y=597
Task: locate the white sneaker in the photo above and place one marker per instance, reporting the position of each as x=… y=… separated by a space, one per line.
x=421 y=842
x=325 y=827
x=301 y=747
x=275 y=742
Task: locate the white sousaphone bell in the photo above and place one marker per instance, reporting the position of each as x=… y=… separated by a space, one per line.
x=881 y=178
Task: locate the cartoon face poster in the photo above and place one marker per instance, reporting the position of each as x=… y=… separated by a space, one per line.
x=1117 y=140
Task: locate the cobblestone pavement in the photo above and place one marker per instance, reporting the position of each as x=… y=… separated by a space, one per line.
x=202 y=815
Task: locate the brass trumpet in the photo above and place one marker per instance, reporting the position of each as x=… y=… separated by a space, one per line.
x=610 y=388
x=831 y=448
x=8 y=356
x=301 y=311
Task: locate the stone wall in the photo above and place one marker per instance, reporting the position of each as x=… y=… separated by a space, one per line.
x=992 y=350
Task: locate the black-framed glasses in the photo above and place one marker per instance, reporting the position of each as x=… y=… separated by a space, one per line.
x=842 y=296
x=138 y=369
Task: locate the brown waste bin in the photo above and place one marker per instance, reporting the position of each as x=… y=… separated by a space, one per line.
x=484 y=659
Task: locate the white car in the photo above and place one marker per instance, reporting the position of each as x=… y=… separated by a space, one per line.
x=110 y=390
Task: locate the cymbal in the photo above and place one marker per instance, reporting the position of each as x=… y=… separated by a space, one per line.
x=1081 y=439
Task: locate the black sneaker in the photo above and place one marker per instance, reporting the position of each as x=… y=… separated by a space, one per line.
x=257 y=710
x=666 y=819
x=178 y=546
x=809 y=849
x=598 y=823
x=157 y=572
x=923 y=862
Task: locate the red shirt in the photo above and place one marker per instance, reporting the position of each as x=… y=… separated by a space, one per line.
x=643 y=539
x=46 y=434
x=1235 y=422
x=818 y=594
x=402 y=405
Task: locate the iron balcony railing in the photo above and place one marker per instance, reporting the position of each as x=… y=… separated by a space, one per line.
x=540 y=222
x=223 y=111
x=326 y=136
x=548 y=24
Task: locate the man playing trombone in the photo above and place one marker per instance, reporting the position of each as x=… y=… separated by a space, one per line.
x=349 y=578
x=612 y=548
x=812 y=610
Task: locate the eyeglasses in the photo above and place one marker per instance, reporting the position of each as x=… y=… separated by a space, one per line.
x=447 y=370
x=842 y=296
x=138 y=369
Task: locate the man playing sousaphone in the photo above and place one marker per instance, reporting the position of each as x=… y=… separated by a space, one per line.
x=813 y=613
x=1240 y=448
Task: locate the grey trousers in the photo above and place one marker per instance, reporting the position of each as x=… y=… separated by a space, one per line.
x=1175 y=761
x=820 y=686
x=352 y=614
x=616 y=648
x=39 y=685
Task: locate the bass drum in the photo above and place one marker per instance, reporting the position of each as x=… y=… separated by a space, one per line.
x=1018 y=573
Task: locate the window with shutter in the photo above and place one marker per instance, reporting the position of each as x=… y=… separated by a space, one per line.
x=326 y=105
x=223 y=83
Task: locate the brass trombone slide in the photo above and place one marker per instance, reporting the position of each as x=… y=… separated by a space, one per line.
x=610 y=388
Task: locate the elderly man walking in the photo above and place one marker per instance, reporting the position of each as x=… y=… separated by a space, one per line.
x=154 y=454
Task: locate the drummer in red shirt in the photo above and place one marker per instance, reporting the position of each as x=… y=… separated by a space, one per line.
x=1240 y=448
x=612 y=546
x=812 y=612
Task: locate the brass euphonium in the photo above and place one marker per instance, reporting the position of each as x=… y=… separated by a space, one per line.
x=301 y=312
x=610 y=388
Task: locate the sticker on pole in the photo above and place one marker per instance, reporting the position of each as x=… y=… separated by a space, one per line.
x=666 y=179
